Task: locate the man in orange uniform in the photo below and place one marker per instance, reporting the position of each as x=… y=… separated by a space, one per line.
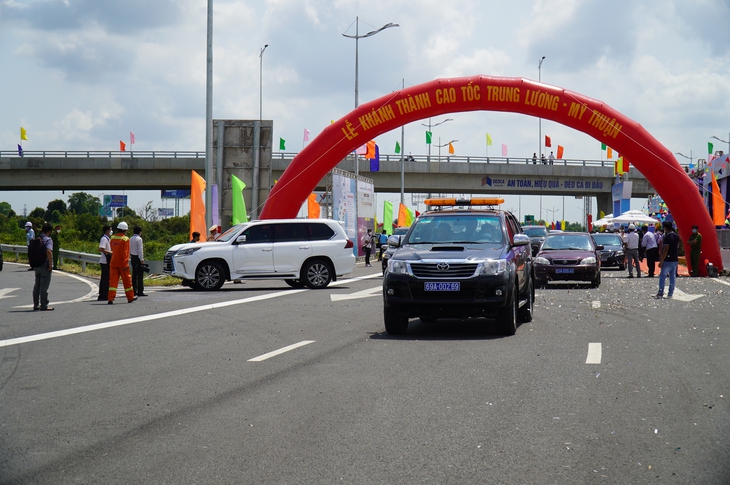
x=119 y=264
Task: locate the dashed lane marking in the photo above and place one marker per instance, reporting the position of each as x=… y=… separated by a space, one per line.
x=594 y=353
x=281 y=351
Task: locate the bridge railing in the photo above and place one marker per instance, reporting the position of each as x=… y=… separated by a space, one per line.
x=102 y=154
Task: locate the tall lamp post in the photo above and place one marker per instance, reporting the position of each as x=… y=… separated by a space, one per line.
x=539 y=122
x=728 y=142
x=261 y=83
x=430 y=125
x=444 y=145
x=357 y=37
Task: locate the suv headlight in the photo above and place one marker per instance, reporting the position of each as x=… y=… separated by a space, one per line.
x=397 y=267
x=492 y=267
x=186 y=252
x=588 y=260
x=541 y=260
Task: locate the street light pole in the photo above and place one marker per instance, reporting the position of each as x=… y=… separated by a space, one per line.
x=444 y=145
x=261 y=84
x=209 y=120
x=728 y=142
x=539 y=123
x=429 y=126
x=357 y=37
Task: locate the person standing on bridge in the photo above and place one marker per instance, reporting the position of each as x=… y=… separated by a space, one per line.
x=551 y=157
x=106 y=256
x=119 y=265
x=136 y=249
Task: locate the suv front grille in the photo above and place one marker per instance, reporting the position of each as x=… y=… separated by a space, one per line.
x=454 y=270
x=167 y=262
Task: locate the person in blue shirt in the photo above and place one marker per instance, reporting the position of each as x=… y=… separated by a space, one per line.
x=383 y=243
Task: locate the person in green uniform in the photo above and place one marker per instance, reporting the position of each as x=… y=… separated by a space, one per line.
x=695 y=244
x=56 y=245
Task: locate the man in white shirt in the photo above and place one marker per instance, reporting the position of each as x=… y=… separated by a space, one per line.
x=136 y=251
x=652 y=249
x=631 y=239
x=106 y=253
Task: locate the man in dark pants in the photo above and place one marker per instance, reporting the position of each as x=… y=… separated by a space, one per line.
x=43 y=272
x=106 y=256
x=136 y=250
x=695 y=244
x=648 y=241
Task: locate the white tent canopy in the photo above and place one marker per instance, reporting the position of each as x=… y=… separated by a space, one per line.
x=606 y=220
x=634 y=217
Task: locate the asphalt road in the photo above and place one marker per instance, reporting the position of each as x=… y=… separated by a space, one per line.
x=263 y=384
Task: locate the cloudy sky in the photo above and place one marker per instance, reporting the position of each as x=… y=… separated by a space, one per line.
x=82 y=74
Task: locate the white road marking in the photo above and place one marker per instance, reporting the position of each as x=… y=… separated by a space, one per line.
x=594 y=353
x=281 y=351
x=682 y=296
x=158 y=316
x=5 y=293
x=94 y=291
x=378 y=290
x=718 y=280
x=595 y=305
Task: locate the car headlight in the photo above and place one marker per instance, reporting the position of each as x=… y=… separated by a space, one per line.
x=588 y=260
x=492 y=267
x=186 y=252
x=541 y=260
x=398 y=267
x=619 y=253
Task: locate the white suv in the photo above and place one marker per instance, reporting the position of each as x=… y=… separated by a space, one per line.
x=302 y=252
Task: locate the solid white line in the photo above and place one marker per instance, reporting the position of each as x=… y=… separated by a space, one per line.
x=158 y=316
x=94 y=291
x=594 y=353
x=281 y=351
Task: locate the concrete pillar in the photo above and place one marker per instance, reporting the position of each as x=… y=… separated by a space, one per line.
x=604 y=203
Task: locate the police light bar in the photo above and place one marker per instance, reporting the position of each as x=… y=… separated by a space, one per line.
x=464 y=202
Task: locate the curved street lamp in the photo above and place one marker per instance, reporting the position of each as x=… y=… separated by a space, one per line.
x=429 y=126
x=728 y=142
x=444 y=145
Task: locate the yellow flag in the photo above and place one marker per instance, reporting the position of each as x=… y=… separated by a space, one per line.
x=489 y=140
x=23 y=134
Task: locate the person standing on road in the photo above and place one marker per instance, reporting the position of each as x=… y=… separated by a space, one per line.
x=695 y=244
x=631 y=239
x=383 y=239
x=56 y=245
x=119 y=264
x=136 y=249
x=650 y=249
x=29 y=236
x=106 y=255
x=43 y=272
x=668 y=261
x=196 y=237
x=367 y=246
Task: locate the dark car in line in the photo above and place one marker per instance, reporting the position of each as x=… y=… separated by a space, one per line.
x=395 y=239
x=613 y=253
x=568 y=256
x=537 y=235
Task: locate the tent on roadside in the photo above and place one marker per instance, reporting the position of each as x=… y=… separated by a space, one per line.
x=635 y=217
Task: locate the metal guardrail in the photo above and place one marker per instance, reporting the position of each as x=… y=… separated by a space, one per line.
x=101 y=154
x=83 y=258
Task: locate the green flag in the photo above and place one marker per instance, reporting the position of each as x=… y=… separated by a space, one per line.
x=603 y=147
x=239 y=205
x=397 y=147
x=282 y=144
x=388 y=217
x=428 y=137
x=710 y=146
x=411 y=216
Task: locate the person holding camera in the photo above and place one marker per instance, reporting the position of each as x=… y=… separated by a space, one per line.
x=136 y=249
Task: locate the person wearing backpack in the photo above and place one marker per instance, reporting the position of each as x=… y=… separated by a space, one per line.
x=43 y=267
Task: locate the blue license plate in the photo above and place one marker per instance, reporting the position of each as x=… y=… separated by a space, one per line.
x=442 y=286
x=564 y=271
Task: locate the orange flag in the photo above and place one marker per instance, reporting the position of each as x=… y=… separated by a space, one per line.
x=197 y=205
x=560 y=151
x=313 y=209
x=123 y=148
x=718 y=204
x=451 y=149
x=370 y=153
x=609 y=153
x=404 y=217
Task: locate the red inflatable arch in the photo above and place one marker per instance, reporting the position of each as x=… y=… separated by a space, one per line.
x=516 y=95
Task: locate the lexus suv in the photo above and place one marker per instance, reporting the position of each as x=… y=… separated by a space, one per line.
x=302 y=252
x=459 y=260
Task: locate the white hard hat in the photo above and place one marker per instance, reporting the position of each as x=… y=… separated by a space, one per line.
x=122 y=226
x=28 y=224
x=631 y=226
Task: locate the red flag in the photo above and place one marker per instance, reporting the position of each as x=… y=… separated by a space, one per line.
x=123 y=147
x=625 y=165
x=560 y=151
x=548 y=143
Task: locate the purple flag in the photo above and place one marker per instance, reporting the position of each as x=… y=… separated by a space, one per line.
x=20 y=151
x=375 y=162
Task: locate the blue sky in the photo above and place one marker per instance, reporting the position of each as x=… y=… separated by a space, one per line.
x=82 y=74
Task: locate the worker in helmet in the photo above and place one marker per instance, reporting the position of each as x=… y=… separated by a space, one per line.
x=119 y=264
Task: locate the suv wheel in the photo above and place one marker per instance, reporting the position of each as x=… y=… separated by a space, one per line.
x=524 y=314
x=317 y=274
x=295 y=283
x=507 y=316
x=209 y=276
x=394 y=323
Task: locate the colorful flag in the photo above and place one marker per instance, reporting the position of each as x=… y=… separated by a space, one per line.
x=504 y=150
x=388 y=217
x=718 y=203
x=710 y=147
x=362 y=150
x=239 y=204
x=197 y=204
x=428 y=137
x=123 y=148
x=306 y=134
x=23 y=134
x=562 y=225
x=560 y=151
x=397 y=147
x=451 y=149
x=375 y=161
x=282 y=144
x=131 y=138
x=603 y=147
x=405 y=217
x=609 y=153
x=548 y=143
x=489 y=140
x=20 y=151
x=370 y=153
x=313 y=209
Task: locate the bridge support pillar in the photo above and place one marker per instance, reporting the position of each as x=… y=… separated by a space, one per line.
x=604 y=203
